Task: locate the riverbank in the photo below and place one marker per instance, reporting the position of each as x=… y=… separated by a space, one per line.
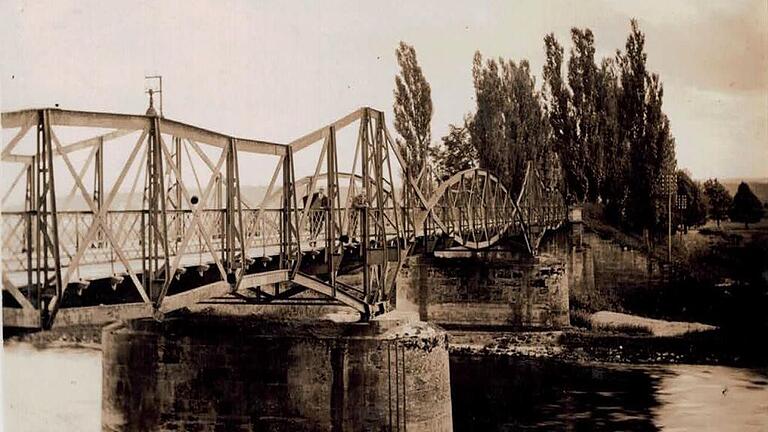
x=599 y=344
x=85 y=336
x=610 y=337
x=717 y=275
x=712 y=347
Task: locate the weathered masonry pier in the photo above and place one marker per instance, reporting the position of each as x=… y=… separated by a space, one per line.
x=225 y=373
x=486 y=289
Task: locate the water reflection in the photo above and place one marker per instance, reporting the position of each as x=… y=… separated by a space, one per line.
x=509 y=394
x=60 y=389
x=712 y=398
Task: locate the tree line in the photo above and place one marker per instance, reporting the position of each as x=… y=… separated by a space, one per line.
x=602 y=121
x=744 y=207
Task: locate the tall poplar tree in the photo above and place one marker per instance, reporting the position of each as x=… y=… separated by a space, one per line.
x=557 y=100
x=510 y=126
x=614 y=148
x=413 y=110
x=583 y=82
x=646 y=128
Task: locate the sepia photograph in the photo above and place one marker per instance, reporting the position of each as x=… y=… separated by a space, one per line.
x=263 y=215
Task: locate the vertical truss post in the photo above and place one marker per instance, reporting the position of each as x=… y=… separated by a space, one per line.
x=289 y=249
x=40 y=206
x=234 y=217
x=149 y=196
x=372 y=209
x=333 y=206
x=285 y=213
x=363 y=207
x=176 y=202
x=98 y=185
x=29 y=217
x=229 y=212
x=157 y=223
x=144 y=248
x=218 y=206
x=390 y=275
x=379 y=214
x=47 y=223
x=177 y=155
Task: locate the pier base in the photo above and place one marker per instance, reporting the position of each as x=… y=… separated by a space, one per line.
x=209 y=373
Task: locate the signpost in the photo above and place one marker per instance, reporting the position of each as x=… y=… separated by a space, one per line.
x=682 y=204
x=668 y=185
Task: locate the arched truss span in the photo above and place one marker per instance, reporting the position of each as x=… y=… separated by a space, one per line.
x=475 y=209
x=542 y=206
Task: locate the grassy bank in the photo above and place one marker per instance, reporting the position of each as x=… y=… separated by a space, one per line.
x=717 y=276
x=715 y=347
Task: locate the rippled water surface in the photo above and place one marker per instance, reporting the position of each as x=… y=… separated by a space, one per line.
x=60 y=390
x=511 y=394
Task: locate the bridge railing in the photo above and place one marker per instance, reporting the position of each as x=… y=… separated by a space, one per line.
x=130 y=230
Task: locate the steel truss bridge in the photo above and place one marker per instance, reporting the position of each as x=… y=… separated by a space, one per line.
x=176 y=215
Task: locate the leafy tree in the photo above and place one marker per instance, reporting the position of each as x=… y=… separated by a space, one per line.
x=527 y=128
x=413 y=110
x=746 y=206
x=551 y=170
x=695 y=211
x=615 y=149
x=583 y=79
x=557 y=98
x=456 y=153
x=584 y=120
x=646 y=128
x=659 y=144
x=719 y=200
x=510 y=126
x=488 y=128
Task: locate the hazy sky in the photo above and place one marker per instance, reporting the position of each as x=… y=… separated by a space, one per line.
x=275 y=70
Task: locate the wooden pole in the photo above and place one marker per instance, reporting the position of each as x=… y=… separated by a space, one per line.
x=669 y=224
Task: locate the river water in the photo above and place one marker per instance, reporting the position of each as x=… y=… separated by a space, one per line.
x=510 y=394
x=60 y=390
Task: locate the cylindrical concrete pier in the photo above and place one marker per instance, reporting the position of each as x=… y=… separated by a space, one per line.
x=239 y=373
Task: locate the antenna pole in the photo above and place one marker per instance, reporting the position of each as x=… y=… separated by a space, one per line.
x=152 y=91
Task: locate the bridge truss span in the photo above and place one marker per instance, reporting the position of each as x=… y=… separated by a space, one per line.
x=542 y=205
x=120 y=216
x=473 y=208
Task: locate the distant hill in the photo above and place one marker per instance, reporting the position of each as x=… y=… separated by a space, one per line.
x=758 y=186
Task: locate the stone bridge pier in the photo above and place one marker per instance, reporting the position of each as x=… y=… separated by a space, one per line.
x=227 y=373
x=504 y=286
x=486 y=288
